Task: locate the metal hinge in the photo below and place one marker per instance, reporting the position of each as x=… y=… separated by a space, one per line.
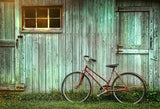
x=118 y=48
x=154 y=59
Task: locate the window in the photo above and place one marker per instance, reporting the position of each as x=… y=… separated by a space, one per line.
x=40 y=18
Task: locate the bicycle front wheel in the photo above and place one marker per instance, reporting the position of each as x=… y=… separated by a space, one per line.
x=136 y=87
x=70 y=90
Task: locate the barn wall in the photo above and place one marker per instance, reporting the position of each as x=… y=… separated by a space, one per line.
x=88 y=29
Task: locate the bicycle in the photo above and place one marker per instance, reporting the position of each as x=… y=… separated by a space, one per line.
x=126 y=87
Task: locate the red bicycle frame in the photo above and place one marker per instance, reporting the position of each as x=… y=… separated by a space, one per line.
x=108 y=82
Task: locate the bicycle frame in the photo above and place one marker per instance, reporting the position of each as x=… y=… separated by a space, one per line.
x=108 y=82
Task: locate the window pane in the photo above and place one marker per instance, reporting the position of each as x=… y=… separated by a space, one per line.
x=30 y=23
x=42 y=13
x=42 y=23
x=54 y=13
x=30 y=13
x=54 y=23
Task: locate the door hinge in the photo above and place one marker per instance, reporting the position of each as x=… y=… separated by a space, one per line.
x=118 y=48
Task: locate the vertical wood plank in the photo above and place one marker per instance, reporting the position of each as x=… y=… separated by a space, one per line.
x=156 y=44
x=61 y=49
x=76 y=37
x=55 y=60
x=151 y=50
x=29 y=59
x=35 y=64
x=42 y=62
x=48 y=63
x=69 y=36
x=2 y=68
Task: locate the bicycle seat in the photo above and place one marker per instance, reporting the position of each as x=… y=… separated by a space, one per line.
x=112 y=65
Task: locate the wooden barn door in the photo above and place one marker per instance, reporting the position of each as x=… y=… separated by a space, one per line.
x=7 y=45
x=134 y=39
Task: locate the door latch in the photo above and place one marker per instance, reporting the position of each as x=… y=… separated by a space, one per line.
x=16 y=43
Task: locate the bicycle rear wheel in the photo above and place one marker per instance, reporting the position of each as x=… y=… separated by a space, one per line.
x=135 y=84
x=69 y=90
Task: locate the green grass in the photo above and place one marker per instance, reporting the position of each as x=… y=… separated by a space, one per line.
x=55 y=100
x=43 y=104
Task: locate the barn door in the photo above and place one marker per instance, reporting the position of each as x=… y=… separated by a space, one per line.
x=7 y=45
x=134 y=39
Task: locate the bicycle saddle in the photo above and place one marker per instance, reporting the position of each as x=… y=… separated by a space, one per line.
x=112 y=65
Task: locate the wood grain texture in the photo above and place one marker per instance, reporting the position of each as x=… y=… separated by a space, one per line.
x=90 y=27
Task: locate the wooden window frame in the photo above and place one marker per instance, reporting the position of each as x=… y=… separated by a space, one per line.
x=41 y=30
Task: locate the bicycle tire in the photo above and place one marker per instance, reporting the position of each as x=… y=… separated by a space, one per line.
x=73 y=94
x=136 y=85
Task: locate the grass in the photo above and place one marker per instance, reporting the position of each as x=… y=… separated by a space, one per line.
x=43 y=104
x=55 y=100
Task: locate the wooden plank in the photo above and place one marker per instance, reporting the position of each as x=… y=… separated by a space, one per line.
x=109 y=36
x=76 y=37
x=114 y=43
x=69 y=37
x=42 y=62
x=61 y=60
x=151 y=50
x=133 y=51
x=8 y=20
x=49 y=75
x=55 y=60
x=29 y=59
x=76 y=51
x=158 y=34
x=21 y=47
x=16 y=33
x=7 y=43
x=61 y=50
x=2 y=67
x=2 y=21
x=35 y=64
x=92 y=34
x=156 y=44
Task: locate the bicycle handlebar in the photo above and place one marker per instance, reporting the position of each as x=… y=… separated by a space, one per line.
x=89 y=59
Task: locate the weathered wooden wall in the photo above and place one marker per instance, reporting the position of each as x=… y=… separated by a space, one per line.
x=7 y=44
x=89 y=28
x=152 y=63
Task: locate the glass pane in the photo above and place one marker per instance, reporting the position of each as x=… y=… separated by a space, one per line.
x=30 y=23
x=54 y=13
x=42 y=23
x=54 y=23
x=42 y=13
x=30 y=13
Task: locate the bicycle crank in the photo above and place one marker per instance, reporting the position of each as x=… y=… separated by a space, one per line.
x=101 y=93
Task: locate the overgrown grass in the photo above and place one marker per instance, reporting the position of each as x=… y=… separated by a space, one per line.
x=55 y=100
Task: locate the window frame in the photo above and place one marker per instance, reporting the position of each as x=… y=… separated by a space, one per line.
x=42 y=30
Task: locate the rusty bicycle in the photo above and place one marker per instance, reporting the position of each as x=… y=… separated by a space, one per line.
x=126 y=87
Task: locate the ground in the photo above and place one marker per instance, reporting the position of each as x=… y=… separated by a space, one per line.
x=44 y=104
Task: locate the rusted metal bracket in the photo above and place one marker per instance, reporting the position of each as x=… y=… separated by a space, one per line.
x=118 y=48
